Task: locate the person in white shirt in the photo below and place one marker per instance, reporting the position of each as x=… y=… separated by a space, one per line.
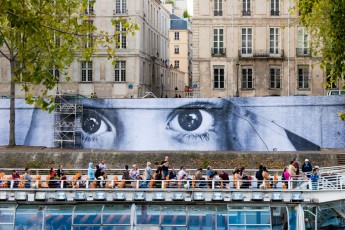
x=182 y=173
x=133 y=173
x=102 y=166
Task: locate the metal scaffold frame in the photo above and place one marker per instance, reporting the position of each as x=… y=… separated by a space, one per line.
x=67 y=125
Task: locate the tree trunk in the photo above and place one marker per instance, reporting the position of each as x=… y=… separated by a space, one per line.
x=12 y=138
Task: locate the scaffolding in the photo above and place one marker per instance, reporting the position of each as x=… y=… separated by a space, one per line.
x=67 y=125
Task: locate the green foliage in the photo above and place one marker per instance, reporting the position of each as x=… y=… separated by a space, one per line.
x=325 y=22
x=186 y=14
x=37 y=36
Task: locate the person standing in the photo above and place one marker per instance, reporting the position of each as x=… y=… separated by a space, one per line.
x=90 y=172
x=61 y=173
x=165 y=167
x=296 y=165
x=307 y=168
x=102 y=166
x=258 y=175
x=314 y=179
x=27 y=178
x=133 y=173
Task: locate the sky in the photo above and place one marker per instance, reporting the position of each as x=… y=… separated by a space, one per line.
x=190 y=6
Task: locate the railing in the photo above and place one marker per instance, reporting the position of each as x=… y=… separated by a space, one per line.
x=193 y=95
x=261 y=53
x=274 y=12
x=325 y=183
x=303 y=52
x=246 y=13
x=218 y=13
x=218 y=51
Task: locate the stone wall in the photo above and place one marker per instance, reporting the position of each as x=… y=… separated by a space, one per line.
x=43 y=158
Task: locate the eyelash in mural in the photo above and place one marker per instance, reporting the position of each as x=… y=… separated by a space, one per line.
x=93 y=125
x=192 y=122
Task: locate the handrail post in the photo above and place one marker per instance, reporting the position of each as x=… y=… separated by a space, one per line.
x=212 y=184
x=163 y=184
x=61 y=185
x=12 y=182
x=137 y=184
x=87 y=184
x=188 y=185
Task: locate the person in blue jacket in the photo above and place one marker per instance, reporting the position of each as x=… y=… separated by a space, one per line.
x=91 y=172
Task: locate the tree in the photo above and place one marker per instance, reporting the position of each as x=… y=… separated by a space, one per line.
x=325 y=20
x=186 y=14
x=37 y=36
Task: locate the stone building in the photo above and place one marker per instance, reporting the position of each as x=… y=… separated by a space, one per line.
x=252 y=48
x=180 y=35
x=141 y=58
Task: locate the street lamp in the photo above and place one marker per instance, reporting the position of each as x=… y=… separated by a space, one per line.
x=238 y=70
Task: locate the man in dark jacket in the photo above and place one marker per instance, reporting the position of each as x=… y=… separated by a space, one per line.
x=306 y=167
x=259 y=176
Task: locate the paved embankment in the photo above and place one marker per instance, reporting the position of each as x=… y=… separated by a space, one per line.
x=40 y=157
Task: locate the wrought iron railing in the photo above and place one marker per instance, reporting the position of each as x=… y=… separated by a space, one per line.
x=246 y=13
x=218 y=13
x=218 y=51
x=261 y=53
x=301 y=52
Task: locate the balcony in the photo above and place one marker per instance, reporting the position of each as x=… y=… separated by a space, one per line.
x=121 y=11
x=261 y=53
x=89 y=11
x=218 y=13
x=303 y=52
x=218 y=51
x=275 y=12
x=246 y=13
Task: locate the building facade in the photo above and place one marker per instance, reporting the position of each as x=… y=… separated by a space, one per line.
x=180 y=54
x=140 y=58
x=252 y=48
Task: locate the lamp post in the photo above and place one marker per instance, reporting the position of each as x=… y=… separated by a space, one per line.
x=238 y=70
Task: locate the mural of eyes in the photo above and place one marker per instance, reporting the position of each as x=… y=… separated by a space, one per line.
x=95 y=126
x=191 y=124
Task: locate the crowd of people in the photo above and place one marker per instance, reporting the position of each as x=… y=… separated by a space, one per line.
x=153 y=177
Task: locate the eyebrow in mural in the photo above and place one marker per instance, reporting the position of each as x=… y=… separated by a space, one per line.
x=208 y=124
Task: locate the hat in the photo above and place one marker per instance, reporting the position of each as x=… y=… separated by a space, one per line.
x=306 y=160
x=317 y=167
x=148 y=163
x=134 y=165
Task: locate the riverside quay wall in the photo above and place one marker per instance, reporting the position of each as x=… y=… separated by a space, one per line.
x=38 y=157
x=190 y=124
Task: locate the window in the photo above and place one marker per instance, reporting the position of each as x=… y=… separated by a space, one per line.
x=57 y=40
x=177 y=35
x=218 y=7
x=55 y=72
x=120 y=71
x=176 y=49
x=303 y=76
x=177 y=64
x=274 y=7
x=331 y=83
x=275 y=77
x=86 y=71
x=247 y=40
x=89 y=37
x=89 y=8
x=302 y=42
x=274 y=40
x=121 y=33
x=218 y=77
x=247 y=77
x=218 y=42
x=246 y=8
x=120 y=7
